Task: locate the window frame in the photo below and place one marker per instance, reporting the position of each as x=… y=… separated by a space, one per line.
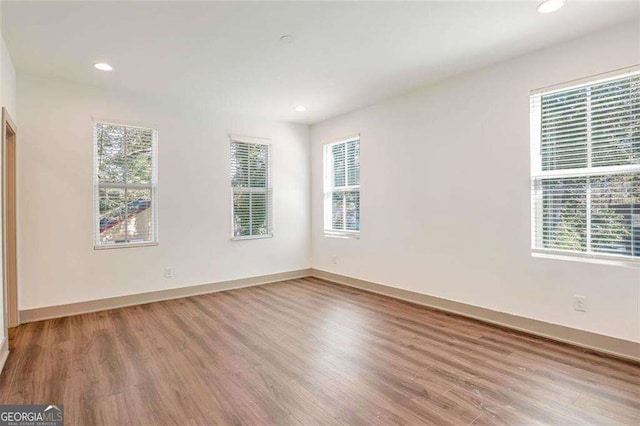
x=152 y=186
x=329 y=189
x=268 y=190
x=537 y=174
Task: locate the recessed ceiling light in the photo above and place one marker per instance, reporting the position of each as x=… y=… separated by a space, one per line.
x=549 y=6
x=103 y=67
x=301 y=108
x=287 y=39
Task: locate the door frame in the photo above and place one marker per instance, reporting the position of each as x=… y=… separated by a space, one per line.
x=9 y=221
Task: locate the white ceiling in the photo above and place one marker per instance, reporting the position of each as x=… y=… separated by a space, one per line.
x=346 y=55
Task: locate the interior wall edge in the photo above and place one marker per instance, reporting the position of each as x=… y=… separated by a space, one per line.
x=59 y=311
x=608 y=345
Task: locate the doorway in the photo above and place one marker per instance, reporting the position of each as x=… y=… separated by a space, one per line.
x=9 y=221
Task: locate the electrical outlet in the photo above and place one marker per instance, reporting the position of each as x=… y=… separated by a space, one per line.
x=579 y=303
x=168 y=272
x=334 y=259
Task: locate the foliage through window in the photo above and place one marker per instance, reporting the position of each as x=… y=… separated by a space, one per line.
x=342 y=188
x=586 y=168
x=125 y=184
x=251 y=187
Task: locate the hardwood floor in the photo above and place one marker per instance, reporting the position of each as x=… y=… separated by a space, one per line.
x=308 y=352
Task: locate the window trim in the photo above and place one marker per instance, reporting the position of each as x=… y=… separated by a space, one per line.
x=328 y=189
x=537 y=174
x=268 y=190
x=153 y=186
x=600 y=258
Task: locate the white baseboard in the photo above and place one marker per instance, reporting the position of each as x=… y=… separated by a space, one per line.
x=59 y=311
x=605 y=344
x=597 y=342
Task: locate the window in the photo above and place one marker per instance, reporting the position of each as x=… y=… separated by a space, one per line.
x=586 y=168
x=125 y=185
x=342 y=188
x=251 y=187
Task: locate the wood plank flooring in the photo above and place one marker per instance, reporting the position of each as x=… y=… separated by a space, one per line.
x=307 y=352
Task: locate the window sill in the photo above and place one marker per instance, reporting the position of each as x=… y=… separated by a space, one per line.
x=347 y=235
x=601 y=259
x=124 y=245
x=252 y=237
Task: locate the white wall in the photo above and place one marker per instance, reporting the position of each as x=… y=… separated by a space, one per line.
x=57 y=262
x=445 y=195
x=8 y=74
x=7 y=100
x=445 y=190
x=3 y=328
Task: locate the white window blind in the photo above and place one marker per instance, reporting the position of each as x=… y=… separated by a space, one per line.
x=342 y=188
x=125 y=182
x=586 y=168
x=251 y=188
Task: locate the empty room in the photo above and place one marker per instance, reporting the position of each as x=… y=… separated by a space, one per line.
x=320 y=213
